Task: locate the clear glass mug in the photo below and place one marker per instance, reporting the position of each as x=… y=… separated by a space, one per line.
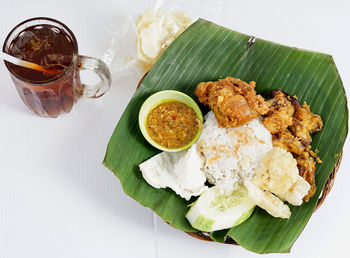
x=53 y=95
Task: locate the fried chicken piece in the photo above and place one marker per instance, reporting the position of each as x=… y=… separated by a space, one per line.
x=312 y=122
x=291 y=124
x=305 y=123
x=279 y=119
x=299 y=130
x=234 y=102
x=314 y=155
x=289 y=142
x=286 y=112
x=307 y=168
x=280 y=115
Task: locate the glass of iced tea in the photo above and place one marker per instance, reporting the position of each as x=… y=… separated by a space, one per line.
x=52 y=45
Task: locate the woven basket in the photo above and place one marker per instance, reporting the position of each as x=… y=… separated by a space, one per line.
x=325 y=191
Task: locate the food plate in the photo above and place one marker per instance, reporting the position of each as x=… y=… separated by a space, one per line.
x=206 y=51
x=226 y=239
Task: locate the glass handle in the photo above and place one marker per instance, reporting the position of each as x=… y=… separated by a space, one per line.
x=102 y=70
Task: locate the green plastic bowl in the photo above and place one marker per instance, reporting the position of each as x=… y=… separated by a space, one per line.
x=159 y=98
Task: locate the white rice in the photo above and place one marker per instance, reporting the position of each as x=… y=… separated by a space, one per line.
x=232 y=155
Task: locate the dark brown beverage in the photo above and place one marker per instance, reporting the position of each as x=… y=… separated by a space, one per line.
x=45 y=45
x=54 y=49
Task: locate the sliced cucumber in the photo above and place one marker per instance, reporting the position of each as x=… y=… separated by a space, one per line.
x=214 y=211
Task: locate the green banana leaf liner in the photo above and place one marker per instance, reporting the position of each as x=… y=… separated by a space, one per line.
x=207 y=52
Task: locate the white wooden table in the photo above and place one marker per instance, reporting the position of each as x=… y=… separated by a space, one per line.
x=58 y=201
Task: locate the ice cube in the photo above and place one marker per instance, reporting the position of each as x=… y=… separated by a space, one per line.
x=53 y=61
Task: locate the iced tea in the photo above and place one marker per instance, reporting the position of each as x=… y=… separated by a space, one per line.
x=53 y=48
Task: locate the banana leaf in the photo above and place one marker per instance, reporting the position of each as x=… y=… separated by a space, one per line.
x=206 y=51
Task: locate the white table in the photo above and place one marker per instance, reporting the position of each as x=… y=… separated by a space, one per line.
x=57 y=200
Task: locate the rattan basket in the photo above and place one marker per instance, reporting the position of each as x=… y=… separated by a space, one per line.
x=325 y=191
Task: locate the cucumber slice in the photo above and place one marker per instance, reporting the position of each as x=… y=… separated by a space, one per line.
x=214 y=211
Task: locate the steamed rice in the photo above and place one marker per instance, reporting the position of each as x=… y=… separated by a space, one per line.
x=232 y=155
